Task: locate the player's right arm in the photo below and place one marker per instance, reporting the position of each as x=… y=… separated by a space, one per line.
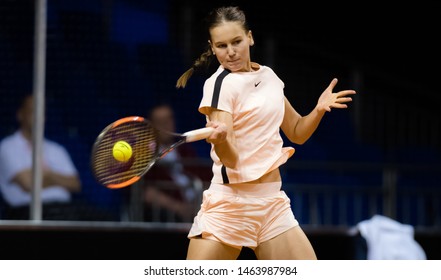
x=223 y=137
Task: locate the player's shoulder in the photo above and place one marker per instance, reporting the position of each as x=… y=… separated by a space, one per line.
x=267 y=72
x=223 y=79
x=219 y=75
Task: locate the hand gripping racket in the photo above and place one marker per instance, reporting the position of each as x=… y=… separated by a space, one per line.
x=141 y=137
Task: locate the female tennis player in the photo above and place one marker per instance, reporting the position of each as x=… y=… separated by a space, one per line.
x=244 y=101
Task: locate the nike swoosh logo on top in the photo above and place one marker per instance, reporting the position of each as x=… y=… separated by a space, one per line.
x=256 y=84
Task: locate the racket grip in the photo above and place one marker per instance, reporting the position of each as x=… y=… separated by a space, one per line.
x=198 y=134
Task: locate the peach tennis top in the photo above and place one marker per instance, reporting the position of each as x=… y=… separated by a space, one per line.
x=256 y=102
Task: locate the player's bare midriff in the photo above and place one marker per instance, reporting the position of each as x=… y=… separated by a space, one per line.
x=272 y=176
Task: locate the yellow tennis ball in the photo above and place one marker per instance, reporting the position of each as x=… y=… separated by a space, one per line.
x=122 y=151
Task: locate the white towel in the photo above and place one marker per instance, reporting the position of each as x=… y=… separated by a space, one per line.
x=388 y=239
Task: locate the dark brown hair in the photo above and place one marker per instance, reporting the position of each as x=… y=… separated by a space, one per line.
x=214 y=19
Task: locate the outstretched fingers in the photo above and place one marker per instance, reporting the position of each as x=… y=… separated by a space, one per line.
x=329 y=99
x=332 y=84
x=345 y=93
x=342 y=98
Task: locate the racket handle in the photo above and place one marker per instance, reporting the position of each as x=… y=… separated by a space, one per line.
x=198 y=134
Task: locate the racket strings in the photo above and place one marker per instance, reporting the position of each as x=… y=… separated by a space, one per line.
x=140 y=136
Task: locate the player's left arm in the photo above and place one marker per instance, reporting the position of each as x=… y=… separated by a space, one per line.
x=297 y=128
x=223 y=137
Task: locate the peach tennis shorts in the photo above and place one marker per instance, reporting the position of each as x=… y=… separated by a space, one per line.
x=243 y=214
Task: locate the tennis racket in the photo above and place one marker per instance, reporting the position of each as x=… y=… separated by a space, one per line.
x=141 y=137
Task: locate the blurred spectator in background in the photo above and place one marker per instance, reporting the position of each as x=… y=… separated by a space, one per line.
x=171 y=188
x=60 y=178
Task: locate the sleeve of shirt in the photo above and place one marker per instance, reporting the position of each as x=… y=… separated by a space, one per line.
x=218 y=94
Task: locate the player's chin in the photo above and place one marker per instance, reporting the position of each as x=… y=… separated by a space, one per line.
x=234 y=67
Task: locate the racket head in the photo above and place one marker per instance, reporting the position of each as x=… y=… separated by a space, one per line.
x=140 y=135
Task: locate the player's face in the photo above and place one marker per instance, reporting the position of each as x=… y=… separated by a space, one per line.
x=231 y=44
